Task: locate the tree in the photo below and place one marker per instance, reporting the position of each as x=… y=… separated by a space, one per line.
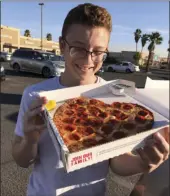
x=168 y=59
x=27 y=33
x=155 y=39
x=137 y=57
x=137 y=35
x=49 y=36
x=144 y=40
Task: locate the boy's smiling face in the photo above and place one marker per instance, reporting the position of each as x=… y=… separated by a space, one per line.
x=79 y=64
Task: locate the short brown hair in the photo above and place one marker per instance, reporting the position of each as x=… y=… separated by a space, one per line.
x=87 y=14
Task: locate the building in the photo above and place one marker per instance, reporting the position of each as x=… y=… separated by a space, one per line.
x=11 y=40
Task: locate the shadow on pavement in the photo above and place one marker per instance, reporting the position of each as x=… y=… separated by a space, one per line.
x=12 y=117
x=23 y=74
x=12 y=99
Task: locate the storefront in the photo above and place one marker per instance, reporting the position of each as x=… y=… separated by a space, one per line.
x=12 y=40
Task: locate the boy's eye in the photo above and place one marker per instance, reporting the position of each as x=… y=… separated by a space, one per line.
x=97 y=53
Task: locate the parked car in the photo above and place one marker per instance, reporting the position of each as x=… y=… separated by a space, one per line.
x=100 y=72
x=4 y=57
x=2 y=73
x=125 y=66
x=45 y=63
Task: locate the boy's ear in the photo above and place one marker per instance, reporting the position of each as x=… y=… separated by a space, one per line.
x=61 y=45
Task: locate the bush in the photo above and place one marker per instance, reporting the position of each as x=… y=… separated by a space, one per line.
x=137 y=56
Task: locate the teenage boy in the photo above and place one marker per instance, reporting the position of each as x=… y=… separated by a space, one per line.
x=84 y=44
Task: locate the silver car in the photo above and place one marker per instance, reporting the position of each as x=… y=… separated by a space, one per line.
x=2 y=73
x=45 y=63
x=4 y=56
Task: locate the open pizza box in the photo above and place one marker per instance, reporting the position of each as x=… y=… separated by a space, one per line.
x=117 y=90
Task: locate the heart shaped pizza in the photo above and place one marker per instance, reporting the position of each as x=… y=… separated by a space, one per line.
x=85 y=122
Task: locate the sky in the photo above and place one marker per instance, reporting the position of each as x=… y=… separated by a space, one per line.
x=126 y=18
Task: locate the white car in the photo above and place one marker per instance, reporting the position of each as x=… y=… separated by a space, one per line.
x=60 y=67
x=125 y=66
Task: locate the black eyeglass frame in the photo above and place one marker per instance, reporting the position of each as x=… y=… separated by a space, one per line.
x=87 y=52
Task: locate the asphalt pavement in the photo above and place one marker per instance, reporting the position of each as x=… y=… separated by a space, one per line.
x=13 y=178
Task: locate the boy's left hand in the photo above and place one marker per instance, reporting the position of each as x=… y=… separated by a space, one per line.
x=150 y=157
x=156 y=150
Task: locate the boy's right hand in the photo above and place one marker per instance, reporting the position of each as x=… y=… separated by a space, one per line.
x=34 y=123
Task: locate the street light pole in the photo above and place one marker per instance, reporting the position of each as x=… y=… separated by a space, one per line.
x=41 y=4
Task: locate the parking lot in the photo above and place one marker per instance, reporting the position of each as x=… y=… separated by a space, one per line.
x=13 y=178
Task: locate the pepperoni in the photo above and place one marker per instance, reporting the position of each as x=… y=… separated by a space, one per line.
x=69 y=128
x=80 y=101
x=113 y=122
x=94 y=122
x=89 y=130
x=103 y=114
x=89 y=142
x=140 y=119
x=101 y=103
x=69 y=112
x=119 y=135
x=94 y=110
x=68 y=120
x=123 y=116
x=116 y=113
x=142 y=113
x=85 y=131
x=74 y=137
x=80 y=121
x=81 y=109
x=116 y=104
x=73 y=105
x=93 y=101
x=83 y=115
x=127 y=107
x=107 y=105
x=129 y=126
x=107 y=129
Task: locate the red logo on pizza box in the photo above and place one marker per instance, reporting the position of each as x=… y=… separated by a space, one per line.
x=81 y=159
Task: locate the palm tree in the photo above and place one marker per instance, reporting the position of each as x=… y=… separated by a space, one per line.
x=27 y=33
x=137 y=35
x=168 y=60
x=155 y=39
x=144 y=40
x=49 y=36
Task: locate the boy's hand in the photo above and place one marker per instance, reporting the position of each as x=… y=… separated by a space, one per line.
x=154 y=153
x=156 y=150
x=34 y=124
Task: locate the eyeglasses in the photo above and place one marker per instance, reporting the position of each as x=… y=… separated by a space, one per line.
x=77 y=52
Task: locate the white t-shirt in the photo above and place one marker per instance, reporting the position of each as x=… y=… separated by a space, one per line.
x=48 y=177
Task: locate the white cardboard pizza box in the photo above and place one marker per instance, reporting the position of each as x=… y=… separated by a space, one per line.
x=117 y=90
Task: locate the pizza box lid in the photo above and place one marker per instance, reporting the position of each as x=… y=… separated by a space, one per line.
x=106 y=93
